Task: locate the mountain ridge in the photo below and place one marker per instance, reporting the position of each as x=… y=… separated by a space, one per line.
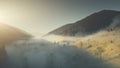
x=10 y=33
x=90 y=24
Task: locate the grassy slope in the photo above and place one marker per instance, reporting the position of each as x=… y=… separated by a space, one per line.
x=105 y=45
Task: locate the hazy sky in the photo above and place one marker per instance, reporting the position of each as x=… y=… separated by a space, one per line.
x=41 y=16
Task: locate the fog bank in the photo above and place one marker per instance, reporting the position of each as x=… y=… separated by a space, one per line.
x=35 y=53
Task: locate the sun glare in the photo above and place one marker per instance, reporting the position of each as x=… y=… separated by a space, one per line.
x=2 y=19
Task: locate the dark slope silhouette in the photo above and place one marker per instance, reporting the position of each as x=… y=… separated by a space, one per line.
x=88 y=25
x=9 y=34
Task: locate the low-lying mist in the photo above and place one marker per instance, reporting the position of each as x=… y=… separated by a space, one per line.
x=35 y=53
x=69 y=40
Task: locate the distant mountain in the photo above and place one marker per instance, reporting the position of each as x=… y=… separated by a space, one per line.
x=9 y=34
x=91 y=24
